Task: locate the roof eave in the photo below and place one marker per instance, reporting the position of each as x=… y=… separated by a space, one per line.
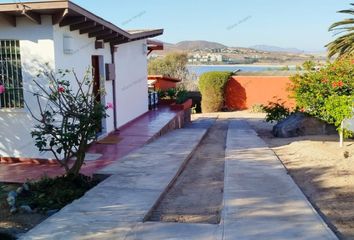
x=67 y=13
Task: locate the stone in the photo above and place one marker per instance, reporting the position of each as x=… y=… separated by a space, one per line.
x=12 y=194
x=19 y=190
x=25 y=187
x=300 y=124
x=11 y=200
x=26 y=209
x=13 y=210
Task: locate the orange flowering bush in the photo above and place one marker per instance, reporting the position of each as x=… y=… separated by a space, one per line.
x=313 y=90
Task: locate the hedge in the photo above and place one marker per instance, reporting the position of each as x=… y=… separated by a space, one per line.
x=212 y=87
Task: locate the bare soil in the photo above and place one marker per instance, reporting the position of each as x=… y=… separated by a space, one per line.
x=197 y=194
x=323 y=170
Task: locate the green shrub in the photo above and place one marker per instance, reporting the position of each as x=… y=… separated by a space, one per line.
x=257 y=108
x=276 y=111
x=328 y=93
x=312 y=89
x=171 y=93
x=212 y=86
x=181 y=96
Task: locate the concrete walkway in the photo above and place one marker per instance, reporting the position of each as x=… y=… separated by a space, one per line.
x=119 y=204
x=260 y=200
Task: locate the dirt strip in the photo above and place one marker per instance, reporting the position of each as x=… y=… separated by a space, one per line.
x=196 y=196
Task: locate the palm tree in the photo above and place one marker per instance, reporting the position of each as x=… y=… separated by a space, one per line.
x=344 y=44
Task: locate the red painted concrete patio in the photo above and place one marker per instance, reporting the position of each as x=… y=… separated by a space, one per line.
x=133 y=135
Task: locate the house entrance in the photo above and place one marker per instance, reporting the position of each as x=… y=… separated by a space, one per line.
x=98 y=84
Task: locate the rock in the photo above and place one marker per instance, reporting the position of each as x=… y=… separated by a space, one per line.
x=25 y=187
x=300 y=124
x=12 y=194
x=26 y=209
x=11 y=200
x=19 y=190
x=13 y=210
x=52 y=212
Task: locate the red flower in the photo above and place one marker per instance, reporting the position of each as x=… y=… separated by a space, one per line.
x=337 y=84
x=61 y=89
x=2 y=89
x=325 y=81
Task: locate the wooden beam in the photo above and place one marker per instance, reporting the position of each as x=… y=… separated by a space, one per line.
x=92 y=29
x=108 y=35
x=10 y=19
x=124 y=40
x=113 y=38
x=34 y=17
x=72 y=20
x=57 y=18
x=99 y=33
x=82 y=25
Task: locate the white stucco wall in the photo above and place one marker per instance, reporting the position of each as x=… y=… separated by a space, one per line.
x=43 y=44
x=80 y=61
x=37 y=49
x=131 y=81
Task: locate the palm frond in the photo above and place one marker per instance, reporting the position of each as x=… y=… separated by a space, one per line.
x=349 y=21
x=344 y=44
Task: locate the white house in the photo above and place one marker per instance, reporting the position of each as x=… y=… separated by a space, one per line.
x=66 y=36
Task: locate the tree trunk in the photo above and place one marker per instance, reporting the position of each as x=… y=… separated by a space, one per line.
x=80 y=158
x=341 y=134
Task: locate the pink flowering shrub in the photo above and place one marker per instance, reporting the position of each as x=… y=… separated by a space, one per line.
x=69 y=119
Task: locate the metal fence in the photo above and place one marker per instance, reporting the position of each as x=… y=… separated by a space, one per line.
x=11 y=74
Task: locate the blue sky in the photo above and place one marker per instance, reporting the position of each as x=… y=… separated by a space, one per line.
x=285 y=23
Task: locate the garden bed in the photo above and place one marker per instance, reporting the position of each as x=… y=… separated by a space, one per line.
x=15 y=224
x=42 y=199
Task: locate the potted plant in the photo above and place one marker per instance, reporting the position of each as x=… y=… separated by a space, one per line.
x=167 y=97
x=182 y=101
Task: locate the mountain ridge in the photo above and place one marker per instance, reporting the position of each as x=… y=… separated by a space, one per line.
x=189 y=45
x=271 y=48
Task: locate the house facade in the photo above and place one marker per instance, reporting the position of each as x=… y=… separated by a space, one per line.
x=62 y=35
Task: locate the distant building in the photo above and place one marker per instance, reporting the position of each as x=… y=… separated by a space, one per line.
x=210 y=57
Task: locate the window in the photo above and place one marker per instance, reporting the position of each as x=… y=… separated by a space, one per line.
x=11 y=74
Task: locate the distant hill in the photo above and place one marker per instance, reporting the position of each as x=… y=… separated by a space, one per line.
x=192 y=45
x=268 y=48
x=260 y=54
x=200 y=44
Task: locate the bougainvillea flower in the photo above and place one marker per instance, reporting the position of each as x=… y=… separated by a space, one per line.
x=109 y=105
x=61 y=89
x=2 y=89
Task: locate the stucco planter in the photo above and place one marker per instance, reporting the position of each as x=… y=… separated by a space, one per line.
x=187 y=104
